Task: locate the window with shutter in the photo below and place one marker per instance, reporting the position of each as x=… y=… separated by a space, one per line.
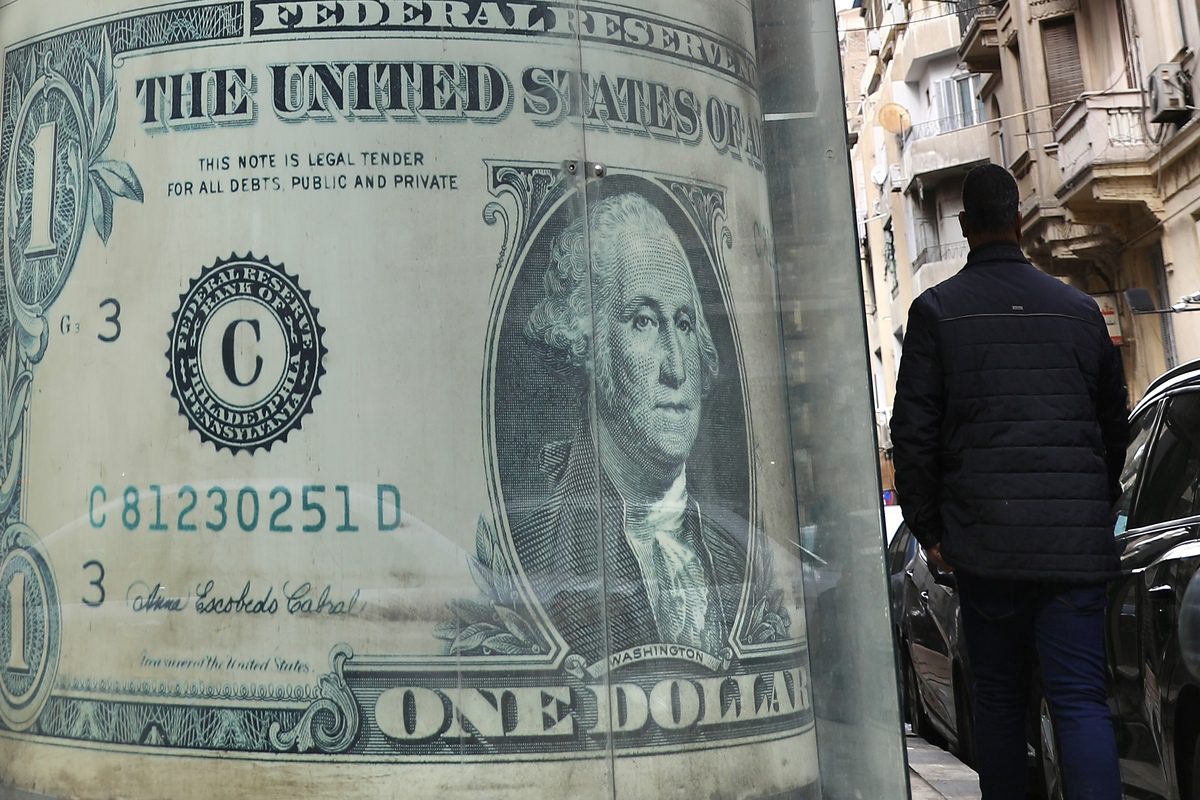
x=1064 y=74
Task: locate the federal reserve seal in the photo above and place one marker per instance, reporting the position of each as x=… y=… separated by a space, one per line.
x=246 y=354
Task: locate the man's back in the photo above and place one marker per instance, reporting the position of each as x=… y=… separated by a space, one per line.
x=1029 y=389
x=1009 y=432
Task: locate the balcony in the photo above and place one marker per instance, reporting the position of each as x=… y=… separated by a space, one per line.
x=980 y=48
x=940 y=147
x=1104 y=156
x=935 y=264
x=930 y=39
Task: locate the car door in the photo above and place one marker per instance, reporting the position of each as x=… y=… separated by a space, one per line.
x=930 y=610
x=1134 y=742
x=1160 y=554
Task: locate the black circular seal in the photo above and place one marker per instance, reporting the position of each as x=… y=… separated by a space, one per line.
x=246 y=354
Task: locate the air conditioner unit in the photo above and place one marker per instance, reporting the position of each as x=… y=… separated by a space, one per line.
x=897 y=177
x=1169 y=94
x=874 y=41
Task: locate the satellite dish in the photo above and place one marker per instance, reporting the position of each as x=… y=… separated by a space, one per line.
x=894 y=118
x=879 y=175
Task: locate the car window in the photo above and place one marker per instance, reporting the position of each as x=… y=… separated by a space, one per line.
x=1172 y=488
x=1135 y=456
x=899 y=548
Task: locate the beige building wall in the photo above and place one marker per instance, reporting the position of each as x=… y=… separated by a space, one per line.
x=1110 y=200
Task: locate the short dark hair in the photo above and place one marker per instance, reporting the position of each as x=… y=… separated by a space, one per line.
x=990 y=199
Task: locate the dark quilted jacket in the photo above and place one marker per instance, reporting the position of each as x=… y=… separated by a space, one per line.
x=1010 y=424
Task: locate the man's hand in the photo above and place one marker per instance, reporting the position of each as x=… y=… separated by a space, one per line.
x=935 y=555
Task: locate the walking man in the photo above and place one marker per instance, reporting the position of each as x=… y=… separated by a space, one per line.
x=1010 y=427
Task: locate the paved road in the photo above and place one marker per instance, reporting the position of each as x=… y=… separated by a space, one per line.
x=935 y=774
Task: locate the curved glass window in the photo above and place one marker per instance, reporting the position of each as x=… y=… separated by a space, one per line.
x=435 y=394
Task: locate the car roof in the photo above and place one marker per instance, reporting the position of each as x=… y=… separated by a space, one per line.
x=1184 y=375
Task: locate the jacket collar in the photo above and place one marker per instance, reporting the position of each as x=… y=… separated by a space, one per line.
x=1001 y=251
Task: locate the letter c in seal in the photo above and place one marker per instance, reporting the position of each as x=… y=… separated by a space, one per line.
x=227 y=352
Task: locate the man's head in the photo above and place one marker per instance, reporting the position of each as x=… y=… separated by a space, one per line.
x=650 y=352
x=991 y=206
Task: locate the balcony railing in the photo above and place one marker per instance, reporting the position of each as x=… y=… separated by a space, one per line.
x=1101 y=131
x=936 y=127
x=955 y=251
x=980 y=47
x=968 y=10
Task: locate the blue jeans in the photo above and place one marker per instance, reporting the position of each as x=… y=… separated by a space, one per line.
x=1004 y=621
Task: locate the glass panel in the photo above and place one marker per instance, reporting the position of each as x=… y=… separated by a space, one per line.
x=706 y=621
x=1135 y=457
x=827 y=378
x=1172 y=487
x=466 y=394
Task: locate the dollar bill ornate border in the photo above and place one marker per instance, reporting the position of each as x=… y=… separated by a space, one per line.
x=71 y=92
x=70 y=73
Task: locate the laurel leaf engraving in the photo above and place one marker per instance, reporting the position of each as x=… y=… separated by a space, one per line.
x=481 y=575
x=101 y=201
x=484 y=541
x=106 y=64
x=516 y=625
x=760 y=608
x=470 y=611
x=17 y=403
x=447 y=631
x=775 y=598
x=761 y=633
x=105 y=124
x=91 y=96
x=504 y=643
x=496 y=626
x=472 y=637
x=119 y=178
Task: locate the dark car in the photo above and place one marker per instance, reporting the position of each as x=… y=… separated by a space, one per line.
x=936 y=671
x=1152 y=622
x=1152 y=617
x=933 y=657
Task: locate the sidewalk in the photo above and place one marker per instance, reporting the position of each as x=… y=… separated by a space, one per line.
x=937 y=775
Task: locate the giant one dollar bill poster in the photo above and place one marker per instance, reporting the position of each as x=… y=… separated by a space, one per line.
x=390 y=391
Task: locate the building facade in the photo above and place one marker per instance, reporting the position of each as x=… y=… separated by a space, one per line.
x=1089 y=104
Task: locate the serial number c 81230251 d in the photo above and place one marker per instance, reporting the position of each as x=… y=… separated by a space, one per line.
x=308 y=508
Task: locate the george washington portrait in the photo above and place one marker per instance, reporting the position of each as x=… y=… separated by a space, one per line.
x=621 y=546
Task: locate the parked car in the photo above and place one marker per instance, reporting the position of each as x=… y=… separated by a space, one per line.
x=1152 y=623
x=934 y=667
x=1155 y=690
x=936 y=670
